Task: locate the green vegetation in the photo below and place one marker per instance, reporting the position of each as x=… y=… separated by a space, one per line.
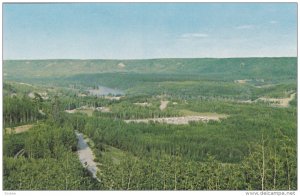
x=48 y=161
x=253 y=148
x=20 y=111
x=239 y=68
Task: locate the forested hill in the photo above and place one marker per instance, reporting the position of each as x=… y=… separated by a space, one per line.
x=280 y=67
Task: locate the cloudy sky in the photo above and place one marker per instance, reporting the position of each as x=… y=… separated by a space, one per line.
x=148 y=30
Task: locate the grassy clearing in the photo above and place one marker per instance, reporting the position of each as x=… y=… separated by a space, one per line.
x=89 y=112
x=186 y=112
x=18 y=129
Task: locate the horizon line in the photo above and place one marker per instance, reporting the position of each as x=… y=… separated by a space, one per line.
x=120 y=59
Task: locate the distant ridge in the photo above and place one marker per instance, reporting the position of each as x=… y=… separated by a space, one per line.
x=254 y=66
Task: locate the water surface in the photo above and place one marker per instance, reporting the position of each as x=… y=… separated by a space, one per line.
x=104 y=91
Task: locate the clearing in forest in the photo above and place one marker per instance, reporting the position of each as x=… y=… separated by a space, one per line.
x=182 y=120
x=144 y=104
x=241 y=81
x=18 y=129
x=276 y=102
x=88 y=110
x=280 y=102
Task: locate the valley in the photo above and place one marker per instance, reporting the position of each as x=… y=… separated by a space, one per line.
x=153 y=124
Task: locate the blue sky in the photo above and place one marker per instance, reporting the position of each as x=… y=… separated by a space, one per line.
x=148 y=30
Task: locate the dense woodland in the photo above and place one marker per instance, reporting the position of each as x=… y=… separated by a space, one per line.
x=253 y=148
x=49 y=161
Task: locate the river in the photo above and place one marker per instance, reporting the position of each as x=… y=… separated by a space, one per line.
x=86 y=155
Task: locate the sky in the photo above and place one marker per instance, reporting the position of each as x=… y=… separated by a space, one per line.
x=149 y=30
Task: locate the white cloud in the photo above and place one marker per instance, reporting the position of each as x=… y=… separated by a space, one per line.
x=194 y=35
x=245 y=27
x=273 y=22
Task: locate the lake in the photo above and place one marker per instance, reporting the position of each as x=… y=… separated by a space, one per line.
x=104 y=91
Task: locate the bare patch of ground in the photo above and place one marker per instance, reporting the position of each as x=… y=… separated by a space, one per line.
x=163 y=105
x=88 y=110
x=121 y=65
x=145 y=104
x=44 y=95
x=245 y=101
x=31 y=95
x=276 y=102
x=25 y=84
x=113 y=97
x=103 y=109
x=280 y=102
x=265 y=86
x=81 y=95
x=242 y=81
x=181 y=120
x=71 y=111
x=19 y=129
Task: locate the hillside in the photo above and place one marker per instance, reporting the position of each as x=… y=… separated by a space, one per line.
x=238 y=68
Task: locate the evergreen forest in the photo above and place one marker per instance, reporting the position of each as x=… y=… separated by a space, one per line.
x=156 y=124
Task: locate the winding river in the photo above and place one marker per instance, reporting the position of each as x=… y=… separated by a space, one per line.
x=86 y=155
